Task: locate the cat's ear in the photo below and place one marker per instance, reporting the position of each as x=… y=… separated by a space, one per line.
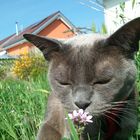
x=47 y=45
x=127 y=37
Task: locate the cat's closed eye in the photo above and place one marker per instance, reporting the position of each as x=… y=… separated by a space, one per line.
x=104 y=77
x=101 y=82
x=64 y=83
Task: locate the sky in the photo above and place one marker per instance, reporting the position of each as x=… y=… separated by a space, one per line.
x=27 y=12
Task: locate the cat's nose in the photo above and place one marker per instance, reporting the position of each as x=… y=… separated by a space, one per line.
x=82 y=104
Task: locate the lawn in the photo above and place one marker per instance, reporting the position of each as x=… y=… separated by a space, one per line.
x=22 y=106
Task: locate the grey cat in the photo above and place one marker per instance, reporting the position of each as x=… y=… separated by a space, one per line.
x=95 y=73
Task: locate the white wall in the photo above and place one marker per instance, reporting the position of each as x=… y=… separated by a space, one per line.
x=110 y=13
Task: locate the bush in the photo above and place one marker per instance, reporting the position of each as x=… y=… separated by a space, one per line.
x=29 y=66
x=5 y=66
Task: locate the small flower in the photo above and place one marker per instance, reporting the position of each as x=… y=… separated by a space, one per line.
x=86 y=118
x=80 y=117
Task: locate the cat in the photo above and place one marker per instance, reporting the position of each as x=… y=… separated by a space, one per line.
x=95 y=73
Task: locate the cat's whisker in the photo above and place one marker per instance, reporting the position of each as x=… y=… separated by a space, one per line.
x=120 y=102
x=124 y=101
x=123 y=105
x=113 y=113
x=122 y=108
x=118 y=115
x=107 y=116
x=126 y=112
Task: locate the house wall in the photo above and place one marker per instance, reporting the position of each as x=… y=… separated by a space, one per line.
x=19 y=49
x=113 y=7
x=56 y=30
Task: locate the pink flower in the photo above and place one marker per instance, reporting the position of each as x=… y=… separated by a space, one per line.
x=80 y=117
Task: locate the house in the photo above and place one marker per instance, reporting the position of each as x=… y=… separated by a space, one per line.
x=55 y=25
x=114 y=13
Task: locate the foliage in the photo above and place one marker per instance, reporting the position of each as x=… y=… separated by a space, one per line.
x=5 y=65
x=29 y=66
x=22 y=106
x=103 y=29
x=93 y=28
x=137 y=58
x=133 y=3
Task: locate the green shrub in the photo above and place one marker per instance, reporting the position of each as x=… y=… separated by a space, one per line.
x=5 y=66
x=29 y=66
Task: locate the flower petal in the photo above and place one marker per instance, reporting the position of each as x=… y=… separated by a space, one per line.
x=75 y=114
x=89 y=121
x=89 y=117
x=80 y=111
x=86 y=113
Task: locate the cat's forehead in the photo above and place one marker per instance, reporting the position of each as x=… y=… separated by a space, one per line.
x=85 y=40
x=88 y=50
x=84 y=48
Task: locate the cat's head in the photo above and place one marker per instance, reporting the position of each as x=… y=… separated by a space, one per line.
x=92 y=71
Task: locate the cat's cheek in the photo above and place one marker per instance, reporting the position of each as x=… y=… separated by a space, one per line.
x=64 y=93
x=105 y=92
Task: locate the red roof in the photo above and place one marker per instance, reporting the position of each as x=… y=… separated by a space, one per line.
x=7 y=42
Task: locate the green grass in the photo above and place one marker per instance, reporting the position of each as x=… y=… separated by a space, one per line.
x=22 y=106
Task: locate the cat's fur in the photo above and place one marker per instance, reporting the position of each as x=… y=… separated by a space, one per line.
x=95 y=73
